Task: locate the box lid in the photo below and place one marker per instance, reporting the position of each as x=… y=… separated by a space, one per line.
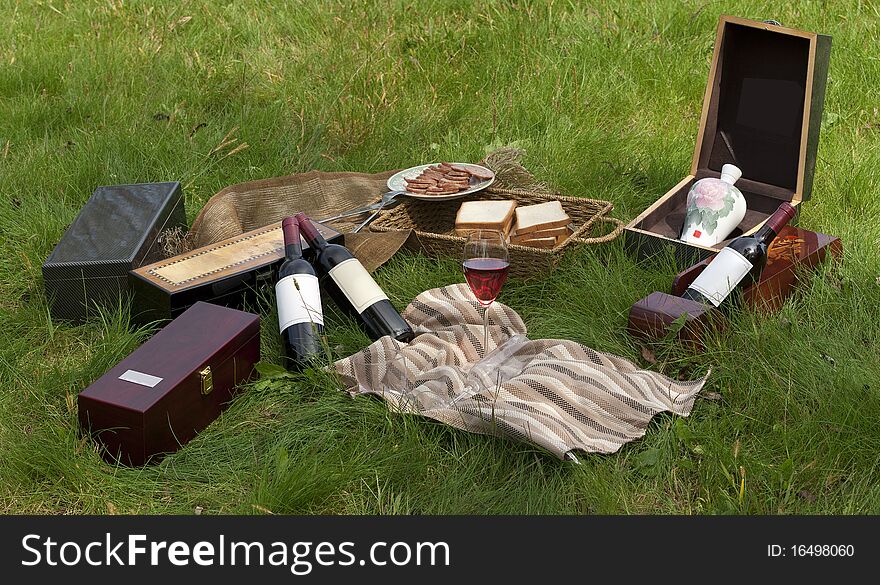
x=763 y=106
x=204 y=332
x=226 y=258
x=114 y=224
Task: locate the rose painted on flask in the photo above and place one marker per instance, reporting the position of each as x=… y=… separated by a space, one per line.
x=709 y=201
x=710 y=195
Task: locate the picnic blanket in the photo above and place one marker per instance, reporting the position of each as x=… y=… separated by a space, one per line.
x=554 y=393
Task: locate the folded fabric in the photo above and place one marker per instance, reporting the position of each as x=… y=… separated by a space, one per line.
x=554 y=393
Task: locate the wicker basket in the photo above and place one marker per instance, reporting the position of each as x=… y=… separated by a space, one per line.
x=434 y=226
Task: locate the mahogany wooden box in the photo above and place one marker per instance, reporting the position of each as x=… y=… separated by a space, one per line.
x=793 y=252
x=226 y=273
x=762 y=111
x=173 y=386
x=117 y=229
x=656 y=315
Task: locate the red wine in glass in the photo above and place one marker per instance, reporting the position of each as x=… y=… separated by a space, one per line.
x=486 y=276
x=485 y=262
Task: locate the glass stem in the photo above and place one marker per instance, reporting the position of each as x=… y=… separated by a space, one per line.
x=485 y=330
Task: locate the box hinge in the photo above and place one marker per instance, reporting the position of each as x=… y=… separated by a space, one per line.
x=207 y=380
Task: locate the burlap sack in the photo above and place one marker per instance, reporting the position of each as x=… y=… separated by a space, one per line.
x=247 y=206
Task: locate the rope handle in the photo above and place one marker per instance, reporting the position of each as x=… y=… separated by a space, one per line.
x=619 y=225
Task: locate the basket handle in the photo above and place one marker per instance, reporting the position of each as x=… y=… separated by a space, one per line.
x=619 y=225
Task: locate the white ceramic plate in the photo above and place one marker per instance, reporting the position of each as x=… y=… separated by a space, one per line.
x=396 y=182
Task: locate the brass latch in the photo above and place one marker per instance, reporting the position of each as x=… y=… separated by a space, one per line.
x=207 y=380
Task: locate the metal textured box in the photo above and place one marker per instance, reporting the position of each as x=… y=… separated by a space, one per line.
x=762 y=111
x=173 y=386
x=225 y=273
x=115 y=231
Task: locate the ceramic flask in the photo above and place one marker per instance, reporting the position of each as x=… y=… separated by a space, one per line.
x=714 y=208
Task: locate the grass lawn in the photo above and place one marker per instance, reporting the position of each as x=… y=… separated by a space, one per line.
x=605 y=99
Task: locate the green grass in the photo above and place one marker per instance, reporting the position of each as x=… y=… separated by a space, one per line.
x=605 y=99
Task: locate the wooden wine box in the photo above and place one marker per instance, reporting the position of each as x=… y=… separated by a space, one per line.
x=658 y=314
x=118 y=229
x=793 y=253
x=762 y=111
x=225 y=273
x=172 y=386
x=791 y=256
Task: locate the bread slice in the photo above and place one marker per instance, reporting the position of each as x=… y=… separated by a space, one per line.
x=543 y=216
x=538 y=243
x=543 y=242
x=508 y=227
x=561 y=238
x=505 y=229
x=516 y=237
x=490 y=215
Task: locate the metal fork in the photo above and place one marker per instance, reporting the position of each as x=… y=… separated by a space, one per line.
x=386 y=199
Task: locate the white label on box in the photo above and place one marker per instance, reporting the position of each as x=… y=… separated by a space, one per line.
x=140 y=378
x=299 y=300
x=356 y=284
x=721 y=276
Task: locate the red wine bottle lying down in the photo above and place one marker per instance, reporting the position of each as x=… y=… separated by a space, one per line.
x=738 y=264
x=352 y=288
x=298 y=296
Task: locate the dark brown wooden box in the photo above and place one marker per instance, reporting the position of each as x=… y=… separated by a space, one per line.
x=116 y=230
x=794 y=251
x=173 y=386
x=226 y=273
x=654 y=316
x=762 y=111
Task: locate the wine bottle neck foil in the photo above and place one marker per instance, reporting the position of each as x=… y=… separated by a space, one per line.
x=292 y=242
x=780 y=218
x=309 y=231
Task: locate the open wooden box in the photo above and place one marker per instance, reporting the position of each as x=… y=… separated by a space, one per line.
x=762 y=111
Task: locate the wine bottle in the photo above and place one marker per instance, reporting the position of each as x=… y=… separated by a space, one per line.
x=738 y=263
x=352 y=288
x=298 y=296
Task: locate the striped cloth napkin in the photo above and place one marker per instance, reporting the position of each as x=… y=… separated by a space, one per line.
x=554 y=393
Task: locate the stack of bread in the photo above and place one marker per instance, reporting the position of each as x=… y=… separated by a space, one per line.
x=485 y=215
x=545 y=225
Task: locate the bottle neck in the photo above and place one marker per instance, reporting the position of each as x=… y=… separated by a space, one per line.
x=775 y=223
x=310 y=232
x=766 y=234
x=292 y=241
x=730 y=174
x=293 y=251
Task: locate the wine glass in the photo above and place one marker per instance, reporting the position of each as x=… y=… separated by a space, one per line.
x=485 y=266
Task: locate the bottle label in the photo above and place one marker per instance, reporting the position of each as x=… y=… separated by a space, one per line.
x=299 y=300
x=722 y=275
x=356 y=284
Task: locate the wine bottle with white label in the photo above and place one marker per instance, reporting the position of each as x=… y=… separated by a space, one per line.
x=739 y=263
x=298 y=296
x=352 y=288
